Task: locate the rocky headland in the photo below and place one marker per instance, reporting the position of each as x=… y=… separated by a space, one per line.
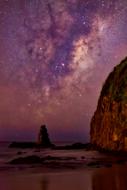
x=109 y=123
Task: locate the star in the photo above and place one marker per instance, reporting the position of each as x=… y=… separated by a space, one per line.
x=54 y=59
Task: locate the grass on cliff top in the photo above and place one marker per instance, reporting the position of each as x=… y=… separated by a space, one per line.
x=116 y=84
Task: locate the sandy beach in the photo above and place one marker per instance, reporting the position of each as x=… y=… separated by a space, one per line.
x=90 y=170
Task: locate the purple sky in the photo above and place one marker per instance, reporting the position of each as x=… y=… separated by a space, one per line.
x=54 y=58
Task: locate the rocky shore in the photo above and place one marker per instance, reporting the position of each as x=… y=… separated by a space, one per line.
x=67 y=162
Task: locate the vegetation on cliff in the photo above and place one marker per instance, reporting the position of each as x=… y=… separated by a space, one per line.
x=116 y=83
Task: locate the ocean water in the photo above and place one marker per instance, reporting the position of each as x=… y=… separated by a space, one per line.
x=85 y=178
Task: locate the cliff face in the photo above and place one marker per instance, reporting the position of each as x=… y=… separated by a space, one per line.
x=109 y=123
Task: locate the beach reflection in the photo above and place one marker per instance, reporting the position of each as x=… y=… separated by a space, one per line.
x=65 y=181
x=44 y=183
x=114 y=178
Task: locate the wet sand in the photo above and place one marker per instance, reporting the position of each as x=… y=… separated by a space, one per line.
x=114 y=178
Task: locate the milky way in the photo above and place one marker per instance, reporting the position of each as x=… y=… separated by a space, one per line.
x=54 y=58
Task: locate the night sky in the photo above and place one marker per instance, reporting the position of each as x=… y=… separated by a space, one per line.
x=54 y=58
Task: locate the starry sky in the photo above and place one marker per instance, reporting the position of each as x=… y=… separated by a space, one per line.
x=54 y=58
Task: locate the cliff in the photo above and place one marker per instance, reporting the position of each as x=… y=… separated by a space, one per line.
x=109 y=123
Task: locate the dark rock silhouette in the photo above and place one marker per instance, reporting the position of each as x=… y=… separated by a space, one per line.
x=75 y=146
x=43 y=138
x=109 y=123
x=43 y=141
x=23 y=145
x=33 y=159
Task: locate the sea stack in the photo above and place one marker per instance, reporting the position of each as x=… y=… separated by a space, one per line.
x=43 y=137
x=109 y=123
